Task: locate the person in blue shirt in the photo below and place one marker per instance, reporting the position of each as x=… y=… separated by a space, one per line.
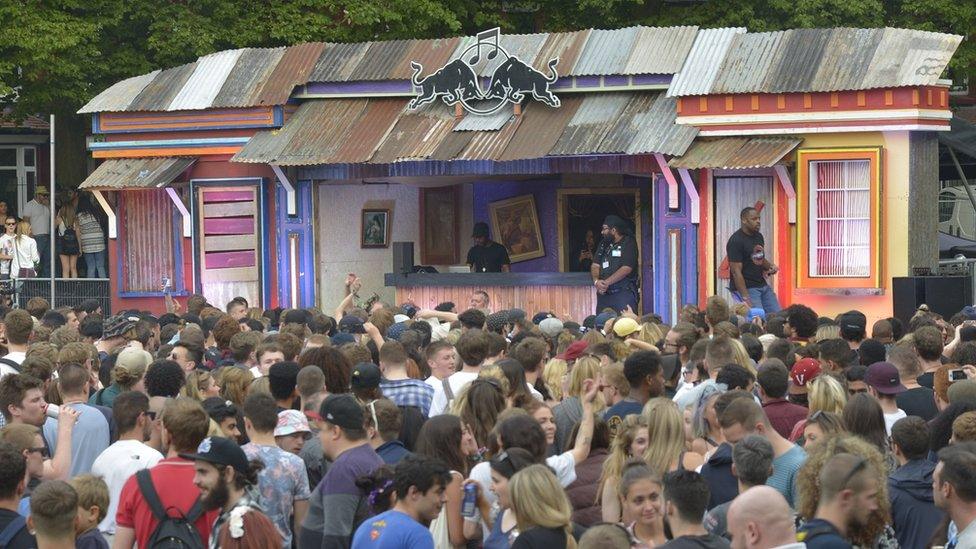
x=419 y=483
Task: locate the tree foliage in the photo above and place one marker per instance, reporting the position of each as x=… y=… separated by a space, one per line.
x=55 y=55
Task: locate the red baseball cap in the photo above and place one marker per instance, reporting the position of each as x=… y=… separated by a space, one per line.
x=574 y=351
x=804 y=371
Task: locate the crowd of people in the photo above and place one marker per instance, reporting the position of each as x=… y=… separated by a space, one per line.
x=397 y=426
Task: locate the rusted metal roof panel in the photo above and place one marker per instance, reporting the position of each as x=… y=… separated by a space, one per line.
x=735 y=152
x=252 y=70
x=491 y=145
x=747 y=62
x=703 y=62
x=367 y=133
x=593 y=120
x=322 y=131
x=158 y=94
x=660 y=50
x=431 y=54
x=484 y=122
x=797 y=62
x=416 y=135
x=540 y=129
x=337 y=62
x=567 y=46
x=136 y=173
x=204 y=84
x=606 y=52
x=625 y=128
x=379 y=60
x=847 y=59
x=118 y=97
x=657 y=131
x=293 y=69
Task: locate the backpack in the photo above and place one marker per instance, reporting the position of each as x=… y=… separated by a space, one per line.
x=12 y=364
x=171 y=532
x=13 y=528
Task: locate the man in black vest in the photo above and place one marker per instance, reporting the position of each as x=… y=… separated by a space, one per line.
x=615 y=267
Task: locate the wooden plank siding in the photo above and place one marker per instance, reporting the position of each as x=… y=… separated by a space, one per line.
x=576 y=301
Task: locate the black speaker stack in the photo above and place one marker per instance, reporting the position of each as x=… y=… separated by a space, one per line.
x=945 y=292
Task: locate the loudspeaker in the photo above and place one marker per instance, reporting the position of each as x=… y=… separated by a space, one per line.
x=402 y=257
x=946 y=295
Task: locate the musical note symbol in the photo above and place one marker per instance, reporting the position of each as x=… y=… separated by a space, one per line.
x=489 y=39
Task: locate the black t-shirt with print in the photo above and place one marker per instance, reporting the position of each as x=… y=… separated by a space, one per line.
x=750 y=250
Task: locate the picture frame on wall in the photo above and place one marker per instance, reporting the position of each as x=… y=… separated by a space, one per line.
x=375 y=229
x=440 y=225
x=515 y=224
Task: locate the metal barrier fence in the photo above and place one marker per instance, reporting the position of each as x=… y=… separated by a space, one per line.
x=68 y=292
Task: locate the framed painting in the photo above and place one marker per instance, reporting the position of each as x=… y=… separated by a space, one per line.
x=515 y=224
x=375 y=232
x=439 y=226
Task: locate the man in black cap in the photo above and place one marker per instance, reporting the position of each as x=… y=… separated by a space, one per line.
x=615 y=270
x=487 y=256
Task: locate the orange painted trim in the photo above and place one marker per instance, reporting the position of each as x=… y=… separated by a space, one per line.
x=861 y=99
x=891 y=98
x=703 y=104
x=728 y=103
x=804 y=157
x=149 y=153
x=754 y=102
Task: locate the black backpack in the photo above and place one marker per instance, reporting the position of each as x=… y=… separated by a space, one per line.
x=172 y=532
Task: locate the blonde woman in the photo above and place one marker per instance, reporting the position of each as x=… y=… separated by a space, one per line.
x=826 y=394
x=741 y=356
x=25 y=255
x=69 y=248
x=542 y=510
x=554 y=376
x=666 y=429
x=568 y=412
x=631 y=442
x=234 y=383
x=200 y=386
x=827 y=331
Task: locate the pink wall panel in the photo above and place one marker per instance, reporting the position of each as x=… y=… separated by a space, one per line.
x=228 y=225
x=224 y=260
x=228 y=196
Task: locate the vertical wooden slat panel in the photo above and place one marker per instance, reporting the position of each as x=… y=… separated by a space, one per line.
x=149 y=240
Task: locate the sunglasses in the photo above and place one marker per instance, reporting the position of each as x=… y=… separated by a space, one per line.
x=861 y=464
x=40 y=450
x=11 y=224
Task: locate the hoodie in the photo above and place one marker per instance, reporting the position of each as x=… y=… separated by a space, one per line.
x=722 y=484
x=913 y=511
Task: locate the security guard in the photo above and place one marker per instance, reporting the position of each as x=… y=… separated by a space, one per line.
x=614 y=270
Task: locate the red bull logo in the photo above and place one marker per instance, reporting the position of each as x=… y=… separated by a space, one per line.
x=511 y=81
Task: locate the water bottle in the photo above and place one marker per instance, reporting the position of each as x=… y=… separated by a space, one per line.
x=469 y=505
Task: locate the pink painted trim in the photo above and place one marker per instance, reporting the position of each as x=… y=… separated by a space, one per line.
x=228 y=225
x=225 y=260
x=227 y=196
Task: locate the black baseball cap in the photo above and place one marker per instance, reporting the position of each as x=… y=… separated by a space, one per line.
x=480 y=229
x=341 y=410
x=366 y=375
x=220 y=451
x=351 y=324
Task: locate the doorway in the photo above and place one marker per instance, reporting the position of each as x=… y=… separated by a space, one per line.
x=732 y=194
x=581 y=214
x=18 y=176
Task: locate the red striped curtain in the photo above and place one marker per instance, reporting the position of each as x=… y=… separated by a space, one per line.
x=840 y=242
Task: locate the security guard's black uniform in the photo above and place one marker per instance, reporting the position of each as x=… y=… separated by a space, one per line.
x=611 y=256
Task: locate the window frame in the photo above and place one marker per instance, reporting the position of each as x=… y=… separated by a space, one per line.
x=804 y=221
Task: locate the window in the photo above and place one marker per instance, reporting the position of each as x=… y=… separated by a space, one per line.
x=839 y=218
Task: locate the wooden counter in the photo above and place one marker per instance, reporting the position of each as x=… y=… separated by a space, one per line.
x=570 y=294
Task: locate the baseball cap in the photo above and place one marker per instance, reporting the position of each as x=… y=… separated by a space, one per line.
x=341 y=410
x=132 y=359
x=400 y=318
x=883 y=377
x=515 y=315
x=117 y=326
x=341 y=339
x=220 y=451
x=497 y=321
x=574 y=351
x=40 y=189
x=601 y=320
x=366 y=375
x=351 y=324
x=625 y=326
x=539 y=317
x=291 y=422
x=551 y=326
x=395 y=331
x=804 y=371
x=480 y=229
x=969 y=311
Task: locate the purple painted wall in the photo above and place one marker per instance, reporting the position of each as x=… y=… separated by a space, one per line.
x=544 y=191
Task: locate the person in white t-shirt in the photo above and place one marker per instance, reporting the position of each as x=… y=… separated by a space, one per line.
x=37 y=213
x=472 y=347
x=885 y=385
x=7 y=245
x=129 y=454
x=442 y=361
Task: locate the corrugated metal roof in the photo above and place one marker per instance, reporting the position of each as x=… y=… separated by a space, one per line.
x=735 y=152
x=337 y=61
x=245 y=81
x=657 y=131
x=136 y=173
x=606 y=52
x=293 y=69
x=158 y=94
x=429 y=53
x=846 y=59
x=700 y=68
x=118 y=97
x=594 y=118
x=485 y=122
x=431 y=127
x=660 y=50
x=523 y=46
x=749 y=55
x=204 y=84
x=490 y=145
x=322 y=130
x=540 y=129
x=379 y=60
x=367 y=133
x=798 y=60
x=564 y=45
x=907 y=57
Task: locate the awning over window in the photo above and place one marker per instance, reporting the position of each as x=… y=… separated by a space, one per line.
x=735 y=152
x=136 y=173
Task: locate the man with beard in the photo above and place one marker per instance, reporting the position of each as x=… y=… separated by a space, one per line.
x=848 y=496
x=419 y=482
x=615 y=270
x=685 y=500
x=226 y=481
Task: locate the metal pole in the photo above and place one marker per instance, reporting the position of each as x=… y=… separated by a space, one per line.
x=962 y=175
x=51 y=200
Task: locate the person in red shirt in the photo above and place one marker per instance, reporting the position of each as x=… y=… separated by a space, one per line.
x=185 y=425
x=773 y=379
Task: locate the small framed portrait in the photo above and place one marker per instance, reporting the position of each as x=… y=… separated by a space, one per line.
x=375 y=231
x=515 y=224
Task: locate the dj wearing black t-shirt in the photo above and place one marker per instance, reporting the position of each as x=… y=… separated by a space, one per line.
x=615 y=267
x=749 y=266
x=487 y=256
